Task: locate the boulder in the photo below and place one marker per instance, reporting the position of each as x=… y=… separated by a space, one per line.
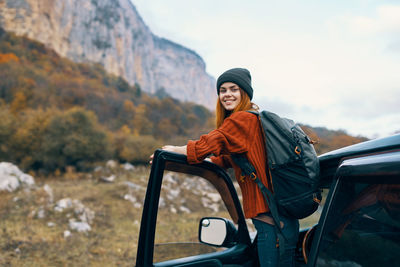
x=79 y=226
x=11 y=177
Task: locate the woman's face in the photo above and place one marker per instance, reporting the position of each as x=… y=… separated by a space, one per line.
x=229 y=95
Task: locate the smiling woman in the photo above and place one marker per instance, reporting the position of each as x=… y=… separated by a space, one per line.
x=240 y=132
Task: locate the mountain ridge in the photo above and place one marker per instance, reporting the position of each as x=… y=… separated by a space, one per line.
x=113 y=34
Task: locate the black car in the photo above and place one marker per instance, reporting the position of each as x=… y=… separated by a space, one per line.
x=359 y=222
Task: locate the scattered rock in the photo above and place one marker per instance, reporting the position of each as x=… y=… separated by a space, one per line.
x=161 y=202
x=172 y=209
x=215 y=197
x=32 y=214
x=11 y=177
x=134 y=201
x=83 y=213
x=205 y=201
x=109 y=179
x=169 y=178
x=214 y=207
x=79 y=226
x=130 y=198
x=51 y=224
x=184 y=209
x=98 y=168
x=173 y=193
x=41 y=213
x=134 y=186
x=67 y=234
x=128 y=167
x=62 y=204
x=49 y=192
x=112 y=164
x=209 y=203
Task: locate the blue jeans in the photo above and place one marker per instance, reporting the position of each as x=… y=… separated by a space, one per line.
x=268 y=253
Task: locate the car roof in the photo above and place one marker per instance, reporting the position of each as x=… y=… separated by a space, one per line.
x=329 y=162
x=371 y=146
x=373 y=168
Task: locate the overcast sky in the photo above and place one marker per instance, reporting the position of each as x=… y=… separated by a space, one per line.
x=335 y=64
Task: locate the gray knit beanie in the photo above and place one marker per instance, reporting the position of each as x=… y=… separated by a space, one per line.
x=239 y=76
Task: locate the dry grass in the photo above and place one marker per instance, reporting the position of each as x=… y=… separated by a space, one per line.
x=28 y=240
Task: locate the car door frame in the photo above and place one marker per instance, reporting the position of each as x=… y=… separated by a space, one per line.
x=362 y=167
x=240 y=252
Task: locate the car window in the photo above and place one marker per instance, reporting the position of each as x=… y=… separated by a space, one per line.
x=184 y=200
x=363 y=226
x=313 y=219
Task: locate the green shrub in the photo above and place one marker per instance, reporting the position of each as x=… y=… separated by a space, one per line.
x=136 y=149
x=73 y=137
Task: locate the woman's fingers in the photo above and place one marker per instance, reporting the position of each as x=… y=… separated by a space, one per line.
x=176 y=149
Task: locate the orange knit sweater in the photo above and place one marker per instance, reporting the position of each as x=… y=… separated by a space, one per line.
x=240 y=133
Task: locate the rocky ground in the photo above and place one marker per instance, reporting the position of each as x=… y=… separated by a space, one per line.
x=80 y=219
x=94 y=218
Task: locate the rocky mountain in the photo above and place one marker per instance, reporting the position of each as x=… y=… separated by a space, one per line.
x=111 y=32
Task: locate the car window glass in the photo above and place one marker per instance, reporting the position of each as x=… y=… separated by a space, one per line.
x=313 y=219
x=184 y=200
x=363 y=226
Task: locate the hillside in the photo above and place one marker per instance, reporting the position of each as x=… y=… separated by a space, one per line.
x=327 y=140
x=113 y=34
x=89 y=114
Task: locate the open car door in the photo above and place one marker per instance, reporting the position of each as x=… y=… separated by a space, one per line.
x=178 y=198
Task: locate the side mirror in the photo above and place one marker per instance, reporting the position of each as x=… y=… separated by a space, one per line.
x=217 y=232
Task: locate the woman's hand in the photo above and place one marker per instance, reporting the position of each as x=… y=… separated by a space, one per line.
x=176 y=149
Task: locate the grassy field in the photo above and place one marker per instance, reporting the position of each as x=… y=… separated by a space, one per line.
x=34 y=233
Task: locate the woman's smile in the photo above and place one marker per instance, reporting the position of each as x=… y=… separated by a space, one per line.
x=229 y=95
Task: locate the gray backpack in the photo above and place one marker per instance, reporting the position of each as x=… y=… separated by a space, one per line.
x=293 y=165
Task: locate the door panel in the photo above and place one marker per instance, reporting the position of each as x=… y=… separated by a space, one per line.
x=360 y=223
x=364 y=230
x=175 y=202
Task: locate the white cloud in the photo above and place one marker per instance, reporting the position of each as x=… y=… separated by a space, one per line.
x=386 y=20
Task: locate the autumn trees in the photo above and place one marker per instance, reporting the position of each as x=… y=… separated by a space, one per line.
x=56 y=113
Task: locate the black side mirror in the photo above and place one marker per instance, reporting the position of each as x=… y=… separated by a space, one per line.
x=218 y=232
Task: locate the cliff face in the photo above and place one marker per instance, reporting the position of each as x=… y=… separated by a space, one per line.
x=111 y=32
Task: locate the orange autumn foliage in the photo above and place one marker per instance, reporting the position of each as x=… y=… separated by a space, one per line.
x=4 y=58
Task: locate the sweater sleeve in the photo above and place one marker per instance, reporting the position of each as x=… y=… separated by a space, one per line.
x=232 y=137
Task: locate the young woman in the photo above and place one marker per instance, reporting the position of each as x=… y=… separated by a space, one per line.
x=239 y=131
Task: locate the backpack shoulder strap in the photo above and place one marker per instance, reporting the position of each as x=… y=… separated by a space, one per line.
x=248 y=170
x=252 y=111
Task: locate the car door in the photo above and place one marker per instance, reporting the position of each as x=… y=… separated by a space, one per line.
x=168 y=210
x=360 y=223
